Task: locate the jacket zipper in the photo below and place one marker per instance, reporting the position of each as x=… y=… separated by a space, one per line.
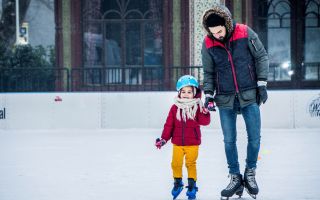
x=218 y=83
x=233 y=70
x=183 y=124
x=253 y=44
x=195 y=131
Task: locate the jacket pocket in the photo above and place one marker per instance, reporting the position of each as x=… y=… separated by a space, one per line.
x=248 y=95
x=253 y=42
x=222 y=99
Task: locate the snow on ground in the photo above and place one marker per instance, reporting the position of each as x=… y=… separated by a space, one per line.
x=124 y=164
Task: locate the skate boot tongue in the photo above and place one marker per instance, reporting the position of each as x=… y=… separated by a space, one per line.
x=234 y=181
x=250 y=182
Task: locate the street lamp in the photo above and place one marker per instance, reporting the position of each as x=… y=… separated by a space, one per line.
x=22 y=35
x=17 y=22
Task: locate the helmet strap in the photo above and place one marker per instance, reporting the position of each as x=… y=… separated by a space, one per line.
x=194 y=91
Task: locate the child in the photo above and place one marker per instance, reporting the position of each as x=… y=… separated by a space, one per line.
x=183 y=128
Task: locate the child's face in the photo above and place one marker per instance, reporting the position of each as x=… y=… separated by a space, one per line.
x=186 y=92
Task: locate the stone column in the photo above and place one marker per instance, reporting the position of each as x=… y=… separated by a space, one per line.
x=197 y=8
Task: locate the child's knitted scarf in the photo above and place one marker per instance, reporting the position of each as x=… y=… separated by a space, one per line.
x=188 y=107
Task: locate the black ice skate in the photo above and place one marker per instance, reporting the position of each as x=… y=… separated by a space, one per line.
x=250 y=182
x=235 y=187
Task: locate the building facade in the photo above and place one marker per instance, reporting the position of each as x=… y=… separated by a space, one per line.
x=147 y=44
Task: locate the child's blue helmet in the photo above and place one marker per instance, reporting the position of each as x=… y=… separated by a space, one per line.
x=186 y=80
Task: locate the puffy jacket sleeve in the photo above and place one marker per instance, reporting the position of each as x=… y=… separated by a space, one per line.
x=208 y=70
x=260 y=55
x=169 y=124
x=203 y=119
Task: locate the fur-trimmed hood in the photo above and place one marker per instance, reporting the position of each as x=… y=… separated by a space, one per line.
x=223 y=12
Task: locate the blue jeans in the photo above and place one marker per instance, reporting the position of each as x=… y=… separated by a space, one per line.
x=228 y=117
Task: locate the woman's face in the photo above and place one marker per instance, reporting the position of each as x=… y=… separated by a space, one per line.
x=186 y=92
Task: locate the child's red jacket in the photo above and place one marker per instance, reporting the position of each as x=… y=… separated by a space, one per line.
x=184 y=133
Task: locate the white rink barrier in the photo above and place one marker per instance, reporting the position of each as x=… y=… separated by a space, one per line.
x=284 y=109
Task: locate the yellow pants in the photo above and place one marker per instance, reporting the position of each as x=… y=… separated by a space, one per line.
x=191 y=154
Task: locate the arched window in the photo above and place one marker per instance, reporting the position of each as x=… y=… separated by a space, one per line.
x=290 y=30
x=123 y=39
x=279 y=24
x=311 y=70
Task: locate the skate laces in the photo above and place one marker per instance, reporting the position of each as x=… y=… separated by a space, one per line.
x=250 y=176
x=233 y=182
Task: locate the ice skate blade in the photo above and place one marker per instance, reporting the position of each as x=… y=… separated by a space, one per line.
x=251 y=195
x=192 y=197
x=239 y=192
x=175 y=195
x=227 y=198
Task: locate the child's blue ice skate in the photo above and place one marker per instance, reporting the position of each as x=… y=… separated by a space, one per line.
x=177 y=188
x=192 y=189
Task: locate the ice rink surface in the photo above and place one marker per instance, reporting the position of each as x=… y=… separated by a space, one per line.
x=124 y=164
